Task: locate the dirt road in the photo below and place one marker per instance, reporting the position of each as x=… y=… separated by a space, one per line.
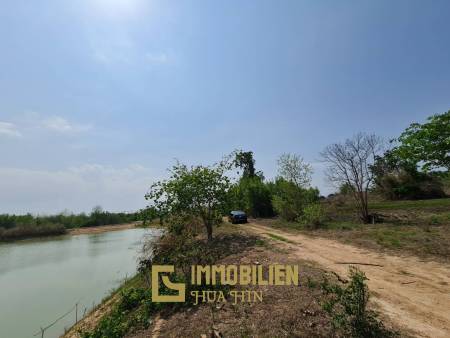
x=414 y=293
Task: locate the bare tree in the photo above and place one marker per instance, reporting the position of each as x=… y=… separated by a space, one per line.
x=349 y=163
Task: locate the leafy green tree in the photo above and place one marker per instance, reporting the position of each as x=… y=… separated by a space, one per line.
x=197 y=191
x=289 y=200
x=427 y=143
x=397 y=178
x=250 y=192
x=253 y=195
x=291 y=192
x=245 y=161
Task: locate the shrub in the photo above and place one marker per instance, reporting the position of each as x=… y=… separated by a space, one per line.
x=396 y=178
x=24 y=231
x=404 y=185
x=252 y=195
x=348 y=307
x=313 y=216
x=132 y=312
x=289 y=200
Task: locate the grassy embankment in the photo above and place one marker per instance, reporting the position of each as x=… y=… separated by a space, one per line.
x=13 y=227
x=316 y=308
x=420 y=227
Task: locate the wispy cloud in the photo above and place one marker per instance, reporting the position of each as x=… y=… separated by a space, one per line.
x=31 y=122
x=61 y=125
x=157 y=57
x=9 y=129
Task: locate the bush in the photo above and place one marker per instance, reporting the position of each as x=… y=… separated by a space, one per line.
x=289 y=200
x=22 y=226
x=313 y=216
x=22 y=231
x=252 y=195
x=404 y=185
x=348 y=307
x=132 y=312
x=396 y=178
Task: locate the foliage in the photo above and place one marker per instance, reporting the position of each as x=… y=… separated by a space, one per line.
x=292 y=168
x=19 y=232
x=349 y=163
x=289 y=200
x=345 y=189
x=348 y=307
x=245 y=161
x=290 y=190
x=396 y=178
x=252 y=195
x=21 y=226
x=313 y=216
x=428 y=143
x=197 y=191
x=132 y=312
x=135 y=307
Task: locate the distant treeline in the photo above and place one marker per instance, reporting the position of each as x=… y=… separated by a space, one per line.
x=21 y=226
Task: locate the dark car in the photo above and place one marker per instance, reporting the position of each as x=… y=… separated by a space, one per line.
x=237 y=216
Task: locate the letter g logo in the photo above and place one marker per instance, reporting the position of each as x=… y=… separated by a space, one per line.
x=180 y=287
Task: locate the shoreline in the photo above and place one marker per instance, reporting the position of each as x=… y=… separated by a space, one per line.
x=73 y=232
x=102 y=228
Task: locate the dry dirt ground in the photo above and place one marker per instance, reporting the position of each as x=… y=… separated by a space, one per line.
x=286 y=311
x=103 y=228
x=414 y=293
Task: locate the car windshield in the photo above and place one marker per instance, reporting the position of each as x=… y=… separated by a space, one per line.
x=238 y=213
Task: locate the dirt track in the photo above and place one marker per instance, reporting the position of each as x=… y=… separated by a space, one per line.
x=414 y=293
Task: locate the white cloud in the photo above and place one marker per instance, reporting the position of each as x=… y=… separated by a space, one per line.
x=9 y=129
x=61 y=125
x=76 y=189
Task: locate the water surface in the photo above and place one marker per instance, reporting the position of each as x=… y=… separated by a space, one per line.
x=41 y=279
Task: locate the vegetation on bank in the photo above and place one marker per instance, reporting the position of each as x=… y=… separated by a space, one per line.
x=135 y=308
x=325 y=308
x=14 y=227
x=20 y=232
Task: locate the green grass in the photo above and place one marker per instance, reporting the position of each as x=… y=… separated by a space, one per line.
x=392 y=238
x=336 y=225
x=420 y=227
x=278 y=237
x=416 y=204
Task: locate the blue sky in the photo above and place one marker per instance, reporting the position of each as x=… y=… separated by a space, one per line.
x=99 y=96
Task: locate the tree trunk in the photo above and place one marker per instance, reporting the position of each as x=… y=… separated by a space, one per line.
x=365 y=210
x=209 y=231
